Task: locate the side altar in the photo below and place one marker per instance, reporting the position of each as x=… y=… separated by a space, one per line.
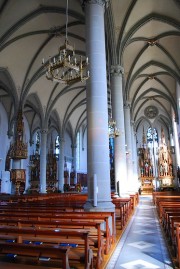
x=156 y=169
x=146 y=171
x=165 y=165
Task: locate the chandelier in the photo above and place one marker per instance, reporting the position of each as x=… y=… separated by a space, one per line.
x=67 y=68
x=113 y=130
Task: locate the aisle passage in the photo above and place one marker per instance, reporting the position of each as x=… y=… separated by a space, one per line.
x=142 y=244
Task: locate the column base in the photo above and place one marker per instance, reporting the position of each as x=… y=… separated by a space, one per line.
x=124 y=195
x=42 y=190
x=102 y=206
x=116 y=195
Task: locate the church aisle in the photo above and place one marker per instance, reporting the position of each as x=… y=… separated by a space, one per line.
x=142 y=245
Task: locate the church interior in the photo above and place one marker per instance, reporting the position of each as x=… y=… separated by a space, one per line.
x=90 y=133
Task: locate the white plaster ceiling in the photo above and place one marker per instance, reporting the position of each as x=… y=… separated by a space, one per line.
x=34 y=29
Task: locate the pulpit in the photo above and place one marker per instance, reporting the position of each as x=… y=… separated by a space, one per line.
x=18 y=177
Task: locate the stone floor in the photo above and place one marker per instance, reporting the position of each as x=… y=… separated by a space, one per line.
x=142 y=245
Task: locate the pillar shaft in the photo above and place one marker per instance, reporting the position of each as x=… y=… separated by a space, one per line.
x=128 y=144
x=74 y=148
x=119 y=142
x=61 y=166
x=97 y=109
x=43 y=161
x=135 y=182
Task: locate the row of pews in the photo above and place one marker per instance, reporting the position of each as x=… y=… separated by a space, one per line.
x=168 y=208
x=54 y=228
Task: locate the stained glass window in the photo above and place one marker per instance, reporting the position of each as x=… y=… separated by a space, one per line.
x=37 y=143
x=152 y=133
x=57 y=145
x=111 y=152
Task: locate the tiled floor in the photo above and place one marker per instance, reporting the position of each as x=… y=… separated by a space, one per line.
x=142 y=245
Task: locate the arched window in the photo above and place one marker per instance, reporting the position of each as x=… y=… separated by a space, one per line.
x=78 y=151
x=57 y=145
x=152 y=136
x=37 y=143
x=111 y=152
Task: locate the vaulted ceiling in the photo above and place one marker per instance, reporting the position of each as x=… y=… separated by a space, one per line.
x=143 y=36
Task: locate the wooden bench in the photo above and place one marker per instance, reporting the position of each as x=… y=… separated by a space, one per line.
x=80 y=237
x=174 y=222
x=178 y=244
x=161 y=198
x=38 y=251
x=96 y=235
x=123 y=210
x=164 y=193
x=73 y=216
x=168 y=208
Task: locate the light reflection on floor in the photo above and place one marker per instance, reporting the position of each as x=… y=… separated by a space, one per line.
x=142 y=245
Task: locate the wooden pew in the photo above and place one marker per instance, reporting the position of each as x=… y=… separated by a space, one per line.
x=96 y=235
x=178 y=244
x=72 y=216
x=161 y=198
x=123 y=208
x=168 y=208
x=56 y=236
x=39 y=251
x=174 y=222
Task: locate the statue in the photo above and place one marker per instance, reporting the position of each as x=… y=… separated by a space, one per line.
x=170 y=169
x=146 y=169
x=165 y=168
x=161 y=170
x=150 y=171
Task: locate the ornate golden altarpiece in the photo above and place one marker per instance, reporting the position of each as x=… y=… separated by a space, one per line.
x=18 y=151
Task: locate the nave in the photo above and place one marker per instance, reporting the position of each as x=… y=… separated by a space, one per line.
x=142 y=244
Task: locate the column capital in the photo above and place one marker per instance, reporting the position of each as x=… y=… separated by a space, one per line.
x=117 y=70
x=103 y=3
x=127 y=105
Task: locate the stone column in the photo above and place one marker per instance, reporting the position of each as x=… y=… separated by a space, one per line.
x=61 y=165
x=135 y=182
x=97 y=110
x=43 y=160
x=74 y=147
x=128 y=145
x=119 y=142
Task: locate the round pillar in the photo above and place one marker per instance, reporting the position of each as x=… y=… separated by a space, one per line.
x=97 y=110
x=119 y=142
x=43 y=160
x=61 y=165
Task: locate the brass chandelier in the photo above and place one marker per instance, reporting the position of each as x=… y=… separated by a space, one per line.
x=67 y=68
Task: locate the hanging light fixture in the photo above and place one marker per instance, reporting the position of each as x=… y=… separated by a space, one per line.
x=67 y=68
x=113 y=130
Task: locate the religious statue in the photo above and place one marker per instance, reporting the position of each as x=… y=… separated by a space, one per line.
x=165 y=168
x=170 y=170
x=150 y=171
x=161 y=170
x=146 y=169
